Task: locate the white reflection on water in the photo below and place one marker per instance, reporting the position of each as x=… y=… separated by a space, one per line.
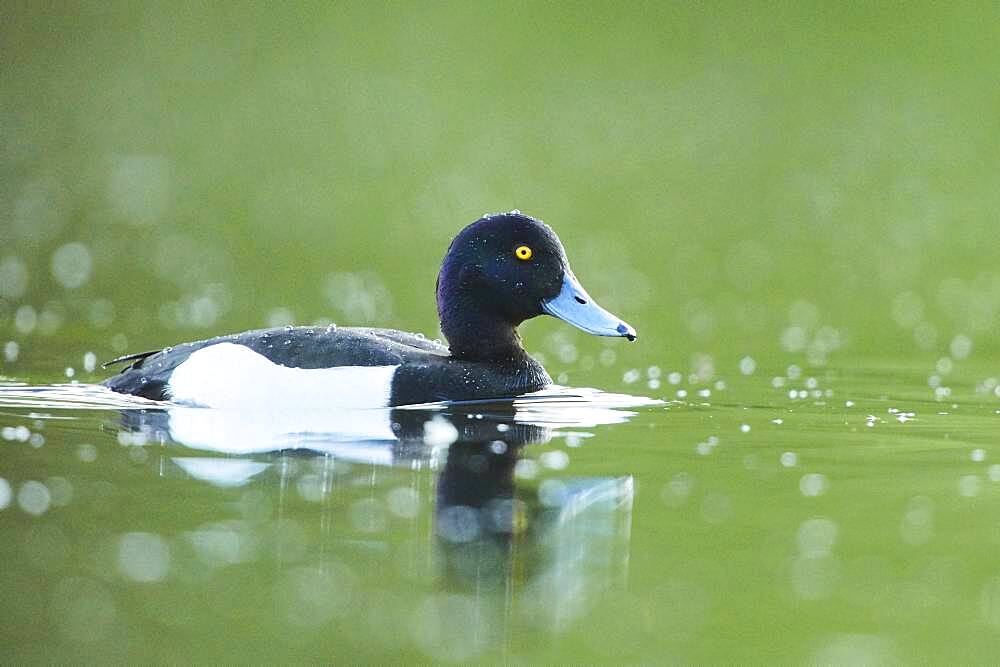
x=220 y=471
x=366 y=435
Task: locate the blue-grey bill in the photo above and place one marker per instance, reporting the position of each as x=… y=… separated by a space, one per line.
x=575 y=306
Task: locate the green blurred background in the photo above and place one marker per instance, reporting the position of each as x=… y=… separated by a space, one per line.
x=813 y=185
x=729 y=177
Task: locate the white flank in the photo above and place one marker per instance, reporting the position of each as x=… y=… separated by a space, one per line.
x=230 y=376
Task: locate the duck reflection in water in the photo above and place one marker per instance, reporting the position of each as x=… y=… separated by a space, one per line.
x=565 y=537
x=545 y=544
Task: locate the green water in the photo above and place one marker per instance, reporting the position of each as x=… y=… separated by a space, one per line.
x=847 y=527
x=796 y=205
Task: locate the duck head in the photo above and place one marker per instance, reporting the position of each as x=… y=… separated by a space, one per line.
x=504 y=269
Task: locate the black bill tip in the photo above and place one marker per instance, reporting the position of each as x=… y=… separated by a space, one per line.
x=627 y=331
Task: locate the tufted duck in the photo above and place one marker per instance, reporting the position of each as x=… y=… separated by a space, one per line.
x=499 y=271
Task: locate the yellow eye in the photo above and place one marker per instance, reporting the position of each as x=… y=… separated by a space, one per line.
x=523 y=253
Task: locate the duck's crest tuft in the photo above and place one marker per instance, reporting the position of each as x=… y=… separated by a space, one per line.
x=513 y=212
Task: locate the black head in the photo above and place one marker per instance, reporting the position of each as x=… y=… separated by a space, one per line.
x=506 y=268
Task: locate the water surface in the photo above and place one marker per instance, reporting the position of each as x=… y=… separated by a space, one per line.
x=843 y=516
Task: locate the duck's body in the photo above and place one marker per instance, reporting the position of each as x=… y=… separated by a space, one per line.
x=499 y=271
x=297 y=366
